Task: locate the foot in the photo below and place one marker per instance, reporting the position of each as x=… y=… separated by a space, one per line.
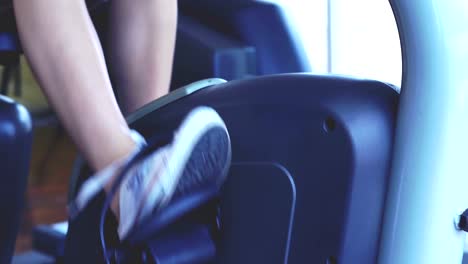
x=198 y=156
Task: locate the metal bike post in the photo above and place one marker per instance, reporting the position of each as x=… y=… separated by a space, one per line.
x=429 y=178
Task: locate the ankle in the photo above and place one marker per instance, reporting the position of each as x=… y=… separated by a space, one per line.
x=136 y=143
x=118 y=152
x=104 y=179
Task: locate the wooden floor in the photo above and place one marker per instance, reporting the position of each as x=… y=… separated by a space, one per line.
x=53 y=155
x=45 y=205
x=52 y=159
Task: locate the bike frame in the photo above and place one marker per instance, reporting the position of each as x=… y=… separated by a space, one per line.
x=429 y=177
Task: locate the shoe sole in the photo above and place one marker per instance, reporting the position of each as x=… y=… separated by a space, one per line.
x=202 y=141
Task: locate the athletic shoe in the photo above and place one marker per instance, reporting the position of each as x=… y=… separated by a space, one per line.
x=198 y=156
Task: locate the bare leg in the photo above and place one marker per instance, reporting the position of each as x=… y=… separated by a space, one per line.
x=143 y=39
x=63 y=49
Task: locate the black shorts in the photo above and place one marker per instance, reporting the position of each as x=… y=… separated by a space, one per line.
x=7 y=5
x=7 y=17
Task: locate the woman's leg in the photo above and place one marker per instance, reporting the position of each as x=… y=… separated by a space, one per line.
x=142 y=48
x=63 y=50
x=62 y=47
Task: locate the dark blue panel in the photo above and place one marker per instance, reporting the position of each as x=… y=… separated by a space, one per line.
x=333 y=134
x=83 y=244
x=15 y=151
x=190 y=245
x=257 y=212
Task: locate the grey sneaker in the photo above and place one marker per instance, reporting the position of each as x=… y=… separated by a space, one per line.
x=199 y=156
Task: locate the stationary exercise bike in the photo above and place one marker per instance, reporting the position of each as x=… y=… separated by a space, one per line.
x=325 y=169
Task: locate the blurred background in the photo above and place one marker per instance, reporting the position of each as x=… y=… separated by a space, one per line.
x=52 y=159
x=339 y=37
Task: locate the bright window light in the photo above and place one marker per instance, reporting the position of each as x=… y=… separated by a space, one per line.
x=361 y=35
x=309 y=19
x=364 y=40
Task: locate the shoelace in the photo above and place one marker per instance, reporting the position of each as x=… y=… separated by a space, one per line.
x=142 y=191
x=145 y=151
